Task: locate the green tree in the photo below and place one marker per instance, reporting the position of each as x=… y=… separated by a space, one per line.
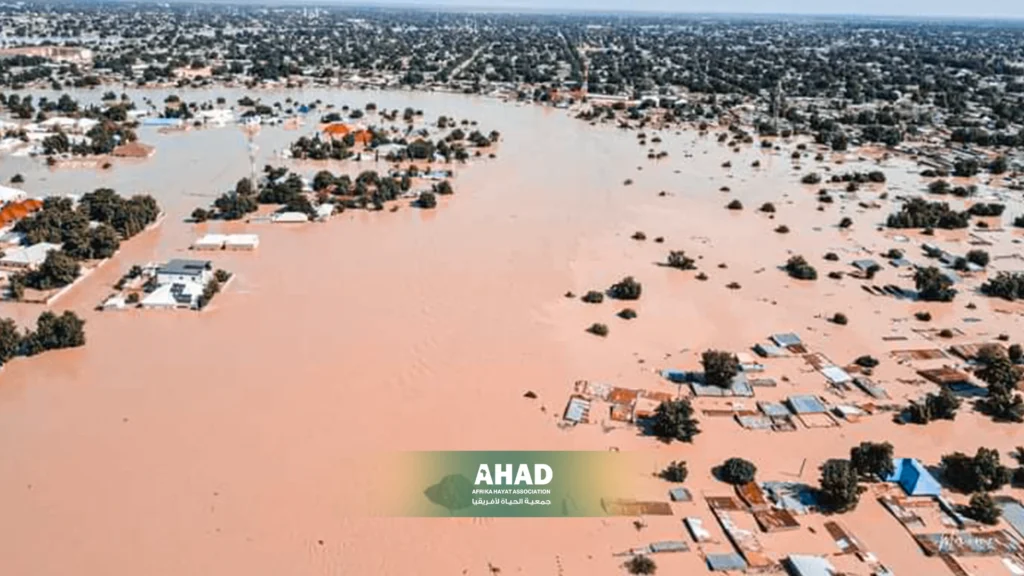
x=978 y=256
x=641 y=565
x=981 y=472
x=996 y=368
x=673 y=420
x=54 y=332
x=678 y=259
x=983 y=509
x=10 y=340
x=626 y=289
x=941 y=406
x=872 y=459
x=56 y=271
x=104 y=242
x=244 y=186
x=676 y=471
x=323 y=180
x=797 y=267
x=737 y=471
x=426 y=200
x=933 y=286
x=839 y=491
x=234 y=206
x=720 y=367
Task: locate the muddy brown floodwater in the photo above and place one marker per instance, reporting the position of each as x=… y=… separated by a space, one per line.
x=236 y=441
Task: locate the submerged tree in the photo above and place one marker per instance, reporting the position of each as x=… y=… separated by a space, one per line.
x=737 y=471
x=673 y=420
x=676 y=471
x=720 y=367
x=839 y=491
x=872 y=459
x=983 y=509
x=641 y=565
x=626 y=289
x=678 y=259
x=797 y=267
x=981 y=472
x=933 y=286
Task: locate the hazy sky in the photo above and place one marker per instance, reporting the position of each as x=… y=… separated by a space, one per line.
x=925 y=8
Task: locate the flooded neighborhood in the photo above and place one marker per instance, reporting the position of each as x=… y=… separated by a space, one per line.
x=232 y=276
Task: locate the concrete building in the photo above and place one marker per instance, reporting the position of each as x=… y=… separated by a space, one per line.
x=241 y=242
x=210 y=242
x=28 y=257
x=179 y=271
x=174 y=295
x=291 y=217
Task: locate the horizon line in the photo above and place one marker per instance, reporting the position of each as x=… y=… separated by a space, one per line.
x=513 y=9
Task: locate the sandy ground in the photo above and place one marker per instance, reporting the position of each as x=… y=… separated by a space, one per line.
x=236 y=440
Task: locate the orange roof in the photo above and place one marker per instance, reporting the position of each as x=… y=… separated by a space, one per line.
x=337 y=129
x=18 y=210
x=364 y=137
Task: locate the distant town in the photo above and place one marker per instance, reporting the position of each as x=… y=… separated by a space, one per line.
x=779 y=258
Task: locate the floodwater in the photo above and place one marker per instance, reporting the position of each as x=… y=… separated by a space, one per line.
x=238 y=440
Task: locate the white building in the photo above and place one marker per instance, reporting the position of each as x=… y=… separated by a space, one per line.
x=185 y=271
x=210 y=242
x=11 y=195
x=324 y=211
x=227 y=241
x=27 y=256
x=242 y=242
x=290 y=217
x=77 y=125
x=216 y=117
x=174 y=295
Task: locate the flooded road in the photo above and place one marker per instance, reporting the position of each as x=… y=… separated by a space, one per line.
x=236 y=440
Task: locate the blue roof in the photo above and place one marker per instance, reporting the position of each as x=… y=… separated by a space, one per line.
x=677 y=376
x=914 y=478
x=161 y=121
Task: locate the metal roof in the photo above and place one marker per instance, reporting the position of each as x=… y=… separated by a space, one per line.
x=669 y=546
x=914 y=478
x=724 y=562
x=810 y=566
x=773 y=409
x=680 y=495
x=806 y=404
x=185 y=267
x=836 y=375
x=1013 y=513
x=864 y=265
x=577 y=410
x=786 y=339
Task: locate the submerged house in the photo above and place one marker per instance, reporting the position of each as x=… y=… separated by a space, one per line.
x=27 y=257
x=174 y=295
x=179 y=271
x=914 y=478
x=801 y=565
